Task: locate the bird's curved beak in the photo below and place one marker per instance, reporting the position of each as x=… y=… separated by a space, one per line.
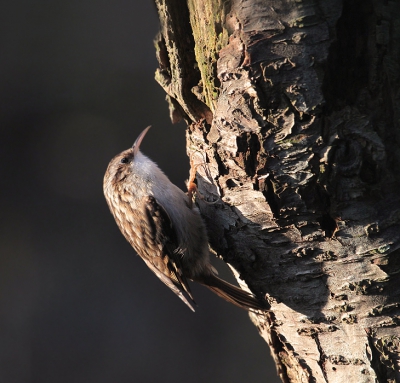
x=139 y=140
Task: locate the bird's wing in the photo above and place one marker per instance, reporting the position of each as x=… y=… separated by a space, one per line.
x=160 y=243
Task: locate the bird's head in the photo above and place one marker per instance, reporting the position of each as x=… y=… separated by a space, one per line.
x=125 y=163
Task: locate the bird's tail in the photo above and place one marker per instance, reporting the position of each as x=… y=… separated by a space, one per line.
x=231 y=293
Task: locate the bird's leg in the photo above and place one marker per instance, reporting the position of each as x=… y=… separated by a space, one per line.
x=191 y=183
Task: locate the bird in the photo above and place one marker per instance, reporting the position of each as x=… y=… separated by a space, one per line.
x=164 y=227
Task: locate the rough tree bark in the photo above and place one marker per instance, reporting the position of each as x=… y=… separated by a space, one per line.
x=294 y=107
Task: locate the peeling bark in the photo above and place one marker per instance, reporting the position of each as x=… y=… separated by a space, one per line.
x=294 y=107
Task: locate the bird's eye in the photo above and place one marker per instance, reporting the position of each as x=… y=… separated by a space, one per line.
x=124 y=160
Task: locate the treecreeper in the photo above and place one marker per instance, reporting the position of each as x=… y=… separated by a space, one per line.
x=165 y=228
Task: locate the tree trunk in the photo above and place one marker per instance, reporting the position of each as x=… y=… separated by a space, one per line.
x=293 y=112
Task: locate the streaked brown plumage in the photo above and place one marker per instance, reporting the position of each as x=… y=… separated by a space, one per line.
x=158 y=220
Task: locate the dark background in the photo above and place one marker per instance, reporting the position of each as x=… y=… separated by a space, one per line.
x=77 y=304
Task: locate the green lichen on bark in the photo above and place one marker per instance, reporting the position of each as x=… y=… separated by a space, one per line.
x=210 y=35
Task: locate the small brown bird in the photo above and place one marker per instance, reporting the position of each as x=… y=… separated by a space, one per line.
x=166 y=230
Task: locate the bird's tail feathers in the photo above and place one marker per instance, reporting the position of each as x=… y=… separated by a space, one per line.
x=231 y=293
